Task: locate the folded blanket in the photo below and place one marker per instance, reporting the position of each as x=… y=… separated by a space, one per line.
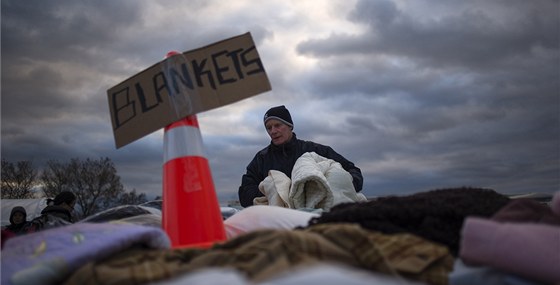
x=276 y=188
x=310 y=188
x=316 y=183
x=526 y=249
x=524 y=210
x=259 y=217
x=50 y=256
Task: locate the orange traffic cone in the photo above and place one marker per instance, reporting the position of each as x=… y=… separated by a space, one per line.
x=191 y=211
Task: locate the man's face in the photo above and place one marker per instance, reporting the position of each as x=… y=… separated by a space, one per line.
x=279 y=132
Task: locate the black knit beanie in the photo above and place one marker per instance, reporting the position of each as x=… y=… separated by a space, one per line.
x=279 y=113
x=64 y=197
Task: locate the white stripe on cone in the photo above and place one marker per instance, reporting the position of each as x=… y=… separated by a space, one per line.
x=175 y=139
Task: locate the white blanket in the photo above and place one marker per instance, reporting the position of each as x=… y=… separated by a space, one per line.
x=317 y=183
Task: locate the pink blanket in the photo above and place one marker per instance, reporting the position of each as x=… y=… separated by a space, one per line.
x=525 y=249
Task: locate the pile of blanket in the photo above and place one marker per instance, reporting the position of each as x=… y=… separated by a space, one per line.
x=446 y=236
x=87 y=253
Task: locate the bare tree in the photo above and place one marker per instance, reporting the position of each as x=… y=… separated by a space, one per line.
x=18 y=179
x=55 y=178
x=132 y=198
x=95 y=183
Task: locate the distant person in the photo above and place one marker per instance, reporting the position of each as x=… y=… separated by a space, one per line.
x=18 y=223
x=57 y=214
x=18 y=220
x=62 y=206
x=281 y=154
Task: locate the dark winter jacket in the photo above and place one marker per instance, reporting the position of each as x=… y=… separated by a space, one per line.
x=283 y=158
x=51 y=216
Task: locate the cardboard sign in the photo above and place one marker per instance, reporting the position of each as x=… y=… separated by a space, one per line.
x=186 y=84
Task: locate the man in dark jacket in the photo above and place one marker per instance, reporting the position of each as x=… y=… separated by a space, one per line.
x=284 y=149
x=58 y=214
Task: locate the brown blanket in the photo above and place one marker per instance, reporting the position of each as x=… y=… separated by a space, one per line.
x=263 y=254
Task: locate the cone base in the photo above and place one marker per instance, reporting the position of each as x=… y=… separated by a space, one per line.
x=191 y=211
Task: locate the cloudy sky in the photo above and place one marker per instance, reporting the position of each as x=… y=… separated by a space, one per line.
x=419 y=94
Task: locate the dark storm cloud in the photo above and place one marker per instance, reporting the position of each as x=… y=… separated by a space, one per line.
x=22 y=93
x=421 y=94
x=475 y=35
x=63 y=31
x=469 y=97
x=53 y=61
x=45 y=58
